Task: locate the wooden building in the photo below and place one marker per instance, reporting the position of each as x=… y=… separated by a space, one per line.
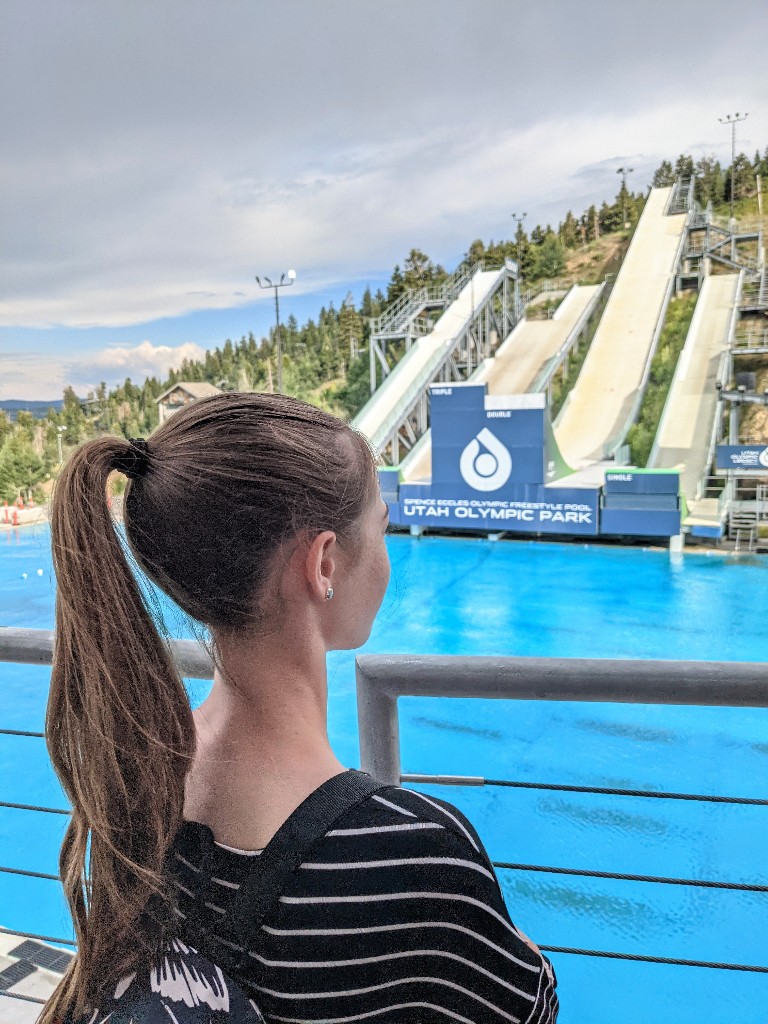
x=182 y=394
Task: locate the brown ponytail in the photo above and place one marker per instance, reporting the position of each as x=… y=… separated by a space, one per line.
x=224 y=482
x=119 y=731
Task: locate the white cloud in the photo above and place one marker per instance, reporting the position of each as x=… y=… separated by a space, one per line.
x=21 y=376
x=151 y=360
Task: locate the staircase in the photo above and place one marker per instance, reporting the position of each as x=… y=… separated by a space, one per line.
x=402 y=316
x=720 y=242
x=745 y=519
x=742 y=528
x=681 y=200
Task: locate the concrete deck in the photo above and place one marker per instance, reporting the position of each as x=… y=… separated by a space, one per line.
x=19 y=955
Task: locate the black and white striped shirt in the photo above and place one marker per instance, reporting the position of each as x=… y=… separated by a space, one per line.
x=394 y=917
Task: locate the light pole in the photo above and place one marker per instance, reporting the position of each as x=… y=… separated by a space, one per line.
x=519 y=220
x=732 y=120
x=282 y=283
x=59 y=432
x=624 y=171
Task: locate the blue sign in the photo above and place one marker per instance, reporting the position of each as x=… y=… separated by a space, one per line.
x=533 y=510
x=495 y=463
x=629 y=481
x=484 y=442
x=492 y=457
x=742 y=457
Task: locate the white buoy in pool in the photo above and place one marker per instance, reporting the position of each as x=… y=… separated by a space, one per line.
x=39 y=572
x=23 y=575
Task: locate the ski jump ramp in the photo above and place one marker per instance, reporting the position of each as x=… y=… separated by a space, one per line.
x=683 y=438
x=597 y=413
x=517 y=364
x=381 y=414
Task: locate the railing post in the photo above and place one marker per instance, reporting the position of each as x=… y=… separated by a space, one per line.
x=378 y=728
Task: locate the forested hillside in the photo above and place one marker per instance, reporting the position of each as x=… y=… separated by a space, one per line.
x=325 y=360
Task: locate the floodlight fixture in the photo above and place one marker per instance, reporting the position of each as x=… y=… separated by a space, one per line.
x=732 y=120
x=624 y=171
x=282 y=283
x=519 y=220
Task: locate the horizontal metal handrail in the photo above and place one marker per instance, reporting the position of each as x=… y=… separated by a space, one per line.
x=382 y=678
x=35 y=647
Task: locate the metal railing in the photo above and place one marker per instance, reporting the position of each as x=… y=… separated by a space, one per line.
x=681 y=197
x=556 y=284
x=382 y=679
x=413 y=301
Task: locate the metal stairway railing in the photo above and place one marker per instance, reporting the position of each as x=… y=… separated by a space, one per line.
x=681 y=199
x=397 y=316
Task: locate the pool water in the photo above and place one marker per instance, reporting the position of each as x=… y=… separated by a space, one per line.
x=472 y=596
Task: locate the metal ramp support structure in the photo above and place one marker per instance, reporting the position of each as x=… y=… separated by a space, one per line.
x=410 y=317
x=479 y=316
x=754 y=298
x=713 y=238
x=681 y=198
x=743 y=513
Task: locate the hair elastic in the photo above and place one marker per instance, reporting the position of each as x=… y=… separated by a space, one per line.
x=134 y=462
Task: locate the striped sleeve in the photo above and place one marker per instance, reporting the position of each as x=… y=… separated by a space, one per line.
x=398 y=917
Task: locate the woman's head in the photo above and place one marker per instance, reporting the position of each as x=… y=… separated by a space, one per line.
x=245 y=509
x=232 y=484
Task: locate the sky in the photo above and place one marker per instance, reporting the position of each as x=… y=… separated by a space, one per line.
x=156 y=155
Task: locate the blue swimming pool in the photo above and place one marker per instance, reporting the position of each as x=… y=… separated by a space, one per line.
x=470 y=596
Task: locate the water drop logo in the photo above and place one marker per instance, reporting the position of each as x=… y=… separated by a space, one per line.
x=488 y=470
x=762 y=458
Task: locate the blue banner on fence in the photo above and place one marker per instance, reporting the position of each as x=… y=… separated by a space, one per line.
x=742 y=456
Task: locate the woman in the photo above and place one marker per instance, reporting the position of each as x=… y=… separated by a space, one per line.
x=234 y=829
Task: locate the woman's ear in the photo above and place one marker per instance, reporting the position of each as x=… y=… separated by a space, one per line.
x=320 y=563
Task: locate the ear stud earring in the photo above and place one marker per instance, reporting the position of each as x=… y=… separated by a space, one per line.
x=329 y=594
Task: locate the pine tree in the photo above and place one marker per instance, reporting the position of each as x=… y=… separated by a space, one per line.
x=684 y=166
x=710 y=183
x=550 y=259
x=396 y=285
x=664 y=175
x=569 y=231
x=743 y=177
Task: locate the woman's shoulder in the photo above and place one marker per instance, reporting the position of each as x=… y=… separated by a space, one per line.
x=394 y=805
x=183 y=986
